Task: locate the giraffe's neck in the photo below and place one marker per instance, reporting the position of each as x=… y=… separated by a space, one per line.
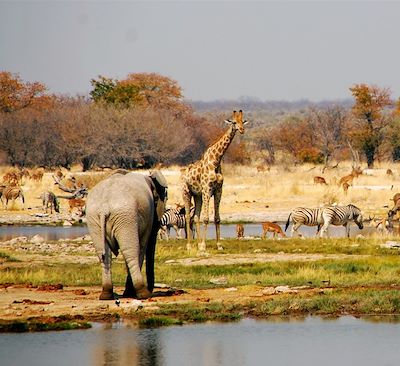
x=215 y=152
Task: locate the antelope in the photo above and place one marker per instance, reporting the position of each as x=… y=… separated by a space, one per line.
x=381 y=225
x=349 y=178
x=395 y=198
x=262 y=168
x=389 y=172
x=37 y=175
x=320 y=180
x=272 y=227
x=78 y=203
x=345 y=187
x=11 y=177
x=239 y=231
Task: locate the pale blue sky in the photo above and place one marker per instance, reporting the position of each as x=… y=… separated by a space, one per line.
x=215 y=50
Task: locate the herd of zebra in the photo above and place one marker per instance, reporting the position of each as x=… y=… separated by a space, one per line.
x=320 y=217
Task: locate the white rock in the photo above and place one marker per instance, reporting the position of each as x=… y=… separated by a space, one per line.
x=231 y=289
x=219 y=281
x=391 y=244
x=284 y=289
x=37 y=239
x=268 y=291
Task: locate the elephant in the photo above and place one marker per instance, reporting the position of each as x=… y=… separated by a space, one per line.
x=123 y=213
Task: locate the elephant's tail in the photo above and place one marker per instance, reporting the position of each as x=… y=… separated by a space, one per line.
x=103 y=221
x=288 y=221
x=150 y=254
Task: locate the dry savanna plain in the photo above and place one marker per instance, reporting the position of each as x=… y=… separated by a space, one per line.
x=56 y=284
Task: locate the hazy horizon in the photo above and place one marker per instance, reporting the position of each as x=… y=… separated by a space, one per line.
x=279 y=51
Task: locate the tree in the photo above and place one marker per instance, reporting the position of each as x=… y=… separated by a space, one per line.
x=296 y=136
x=370 y=118
x=16 y=94
x=145 y=90
x=328 y=126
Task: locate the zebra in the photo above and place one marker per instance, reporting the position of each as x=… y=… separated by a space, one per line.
x=304 y=216
x=341 y=215
x=49 y=199
x=12 y=193
x=175 y=218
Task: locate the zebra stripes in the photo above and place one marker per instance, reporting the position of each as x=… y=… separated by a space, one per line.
x=304 y=216
x=175 y=218
x=341 y=215
x=12 y=193
x=49 y=199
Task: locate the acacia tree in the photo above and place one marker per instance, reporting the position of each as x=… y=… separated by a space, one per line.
x=370 y=119
x=15 y=94
x=144 y=90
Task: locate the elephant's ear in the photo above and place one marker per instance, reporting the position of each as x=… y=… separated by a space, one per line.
x=161 y=184
x=160 y=192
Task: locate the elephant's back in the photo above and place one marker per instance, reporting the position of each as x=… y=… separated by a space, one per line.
x=119 y=191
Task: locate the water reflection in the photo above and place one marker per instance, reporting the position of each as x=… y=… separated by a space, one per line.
x=121 y=345
x=53 y=233
x=277 y=341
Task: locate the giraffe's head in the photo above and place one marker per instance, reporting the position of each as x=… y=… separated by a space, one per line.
x=237 y=121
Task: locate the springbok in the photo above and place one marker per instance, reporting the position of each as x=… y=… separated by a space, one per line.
x=320 y=180
x=273 y=228
x=349 y=178
x=239 y=231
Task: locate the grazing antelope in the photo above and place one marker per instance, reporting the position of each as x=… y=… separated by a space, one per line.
x=273 y=228
x=341 y=215
x=49 y=199
x=320 y=180
x=239 y=231
x=78 y=203
x=381 y=225
x=304 y=216
x=12 y=193
x=37 y=175
x=11 y=177
x=389 y=172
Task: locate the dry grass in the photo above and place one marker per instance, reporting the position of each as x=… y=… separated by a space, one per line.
x=247 y=191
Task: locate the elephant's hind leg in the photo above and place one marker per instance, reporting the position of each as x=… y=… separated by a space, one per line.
x=107 y=293
x=129 y=291
x=133 y=254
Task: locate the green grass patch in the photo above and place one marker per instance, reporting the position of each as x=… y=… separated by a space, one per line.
x=156 y=322
x=37 y=326
x=7 y=257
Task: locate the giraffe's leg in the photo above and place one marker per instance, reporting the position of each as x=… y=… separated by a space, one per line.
x=217 y=218
x=203 y=235
x=187 y=200
x=197 y=212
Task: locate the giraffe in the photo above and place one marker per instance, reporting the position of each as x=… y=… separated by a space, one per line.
x=203 y=180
